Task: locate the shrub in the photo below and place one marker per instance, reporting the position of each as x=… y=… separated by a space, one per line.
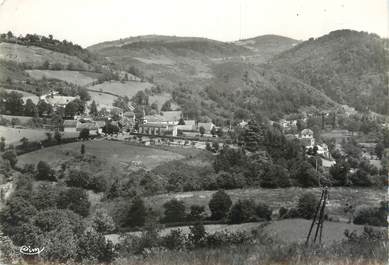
x=376 y=216
x=136 y=215
x=225 y=180
x=102 y=222
x=282 y=212
x=44 y=197
x=361 y=178
x=97 y=184
x=224 y=238
x=93 y=246
x=307 y=205
x=44 y=172
x=74 y=199
x=148 y=239
x=263 y=211
x=175 y=240
x=52 y=219
x=77 y=178
x=242 y=211
x=306 y=175
x=196 y=213
x=174 y=211
x=60 y=245
x=197 y=236
x=219 y=205
x=10 y=155
x=274 y=177
x=293 y=213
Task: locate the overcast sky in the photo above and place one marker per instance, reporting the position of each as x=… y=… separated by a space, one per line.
x=87 y=22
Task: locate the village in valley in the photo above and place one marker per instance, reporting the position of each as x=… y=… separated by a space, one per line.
x=161 y=147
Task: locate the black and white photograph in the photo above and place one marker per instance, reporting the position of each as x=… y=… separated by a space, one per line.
x=194 y=132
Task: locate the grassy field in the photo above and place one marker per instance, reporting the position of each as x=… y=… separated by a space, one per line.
x=129 y=88
x=13 y=135
x=116 y=154
x=277 y=198
x=35 y=56
x=74 y=77
x=102 y=100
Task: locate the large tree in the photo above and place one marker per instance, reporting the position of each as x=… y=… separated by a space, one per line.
x=253 y=136
x=30 y=108
x=74 y=107
x=136 y=214
x=93 y=109
x=219 y=205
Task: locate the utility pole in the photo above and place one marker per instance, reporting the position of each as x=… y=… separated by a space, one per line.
x=318 y=218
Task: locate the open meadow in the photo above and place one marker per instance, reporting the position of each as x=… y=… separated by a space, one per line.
x=288 y=230
x=75 y=77
x=13 y=135
x=26 y=95
x=115 y=153
x=128 y=88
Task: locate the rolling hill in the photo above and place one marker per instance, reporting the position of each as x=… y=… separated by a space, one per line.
x=266 y=76
x=169 y=60
x=206 y=77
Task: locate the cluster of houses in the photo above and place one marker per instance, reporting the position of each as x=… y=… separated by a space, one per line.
x=166 y=123
x=306 y=137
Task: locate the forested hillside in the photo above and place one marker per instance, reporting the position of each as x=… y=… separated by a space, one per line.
x=350 y=67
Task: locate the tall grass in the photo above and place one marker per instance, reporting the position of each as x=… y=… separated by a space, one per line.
x=366 y=249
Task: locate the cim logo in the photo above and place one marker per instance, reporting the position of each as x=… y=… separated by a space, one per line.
x=27 y=250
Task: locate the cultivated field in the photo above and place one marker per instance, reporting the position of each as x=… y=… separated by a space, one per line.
x=277 y=198
x=116 y=154
x=74 y=77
